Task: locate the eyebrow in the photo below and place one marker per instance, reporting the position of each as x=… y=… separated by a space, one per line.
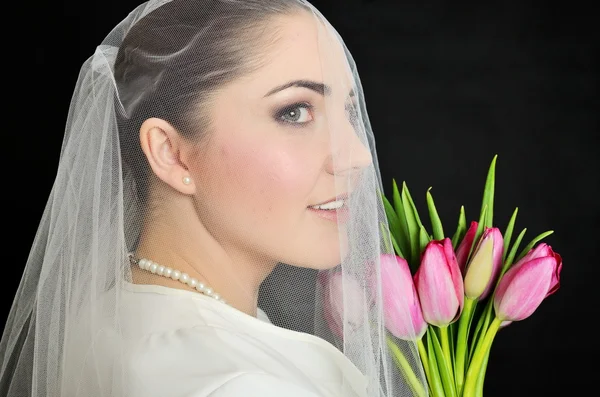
x=320 y=88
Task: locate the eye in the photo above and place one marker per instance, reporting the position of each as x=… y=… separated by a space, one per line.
x=352 y=114
x=298 y=113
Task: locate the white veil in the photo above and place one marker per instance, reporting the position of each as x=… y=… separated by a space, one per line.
x=71 y=289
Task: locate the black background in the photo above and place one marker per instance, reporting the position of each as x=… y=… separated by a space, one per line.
x=447 y=86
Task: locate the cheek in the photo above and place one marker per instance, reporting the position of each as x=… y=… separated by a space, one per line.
x=269 y=179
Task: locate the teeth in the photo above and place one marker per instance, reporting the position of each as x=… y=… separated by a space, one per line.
x=332 y=205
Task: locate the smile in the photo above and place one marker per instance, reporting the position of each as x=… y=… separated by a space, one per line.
x=332 y=205
x=333 y=210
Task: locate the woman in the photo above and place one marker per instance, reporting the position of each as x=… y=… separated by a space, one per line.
x=217 y=155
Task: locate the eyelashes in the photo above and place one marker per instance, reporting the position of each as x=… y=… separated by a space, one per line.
x=295 y=114
x=352 y=114
x=301 y=113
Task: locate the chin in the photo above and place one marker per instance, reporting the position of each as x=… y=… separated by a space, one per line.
x=321 y=256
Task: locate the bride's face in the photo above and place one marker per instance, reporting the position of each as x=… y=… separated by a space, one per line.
x=282 y=141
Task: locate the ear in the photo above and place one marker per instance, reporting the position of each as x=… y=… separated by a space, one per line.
x=161 y=144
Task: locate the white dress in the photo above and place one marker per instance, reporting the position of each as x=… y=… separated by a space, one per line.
x=180 y=343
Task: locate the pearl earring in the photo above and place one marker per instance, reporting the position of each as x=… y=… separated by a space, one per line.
x=187 y=180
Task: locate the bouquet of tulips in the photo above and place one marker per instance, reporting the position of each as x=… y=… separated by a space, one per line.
x=461 y=290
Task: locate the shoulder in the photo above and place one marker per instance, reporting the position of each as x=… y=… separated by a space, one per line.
x=205 y=361
x=261 y=384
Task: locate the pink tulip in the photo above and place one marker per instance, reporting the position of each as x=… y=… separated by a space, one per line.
x=401 y=307
x=439 y=284
x=527 y=283
x=462 y=252
x=541 y=251
x=342 y=300
x=485 y=264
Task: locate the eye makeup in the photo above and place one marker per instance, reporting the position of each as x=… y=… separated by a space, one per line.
x=294 y=113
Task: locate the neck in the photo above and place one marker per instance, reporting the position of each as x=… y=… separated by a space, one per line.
x=184 y=244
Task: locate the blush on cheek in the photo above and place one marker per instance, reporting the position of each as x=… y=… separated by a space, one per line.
x=272 y=181
x=247 y=178
x=291 y=178
x=257 y=191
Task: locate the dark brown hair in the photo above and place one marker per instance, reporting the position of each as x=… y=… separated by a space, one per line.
x=173 y=59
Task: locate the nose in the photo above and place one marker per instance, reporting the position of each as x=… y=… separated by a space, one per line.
x=350 y=153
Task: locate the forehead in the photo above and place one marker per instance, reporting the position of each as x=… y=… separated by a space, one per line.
x=306 y=48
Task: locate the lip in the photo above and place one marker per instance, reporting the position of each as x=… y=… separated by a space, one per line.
x=340 y=215
x=343 y=196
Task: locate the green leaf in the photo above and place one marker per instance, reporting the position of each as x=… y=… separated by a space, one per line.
x=461 y=229
x=403 y=237
x=478 y=233
x=413 y=229
x=423 y=240
x=385 y=237
x=397 y=248
x=407 y=197
x=397 y=200
x=435 y=382
x=512 y=253
x=406 y=368
x=508 y=232
x=464 y=327
x=436 y=223
x=424 y=359
x=447 y=379
x=488 y=194
x=391 y=216
x=532 y=243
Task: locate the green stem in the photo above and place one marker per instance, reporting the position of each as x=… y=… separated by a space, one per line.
x=481 y=377
x=424 y=360
x=452 y=336
x=470 y=389
x=406 y=369
x=445 y=342
x=436 y=385
x=482 y=326
x=464 y=324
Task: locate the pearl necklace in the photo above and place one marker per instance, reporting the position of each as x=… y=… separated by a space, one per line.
x=174 y=274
